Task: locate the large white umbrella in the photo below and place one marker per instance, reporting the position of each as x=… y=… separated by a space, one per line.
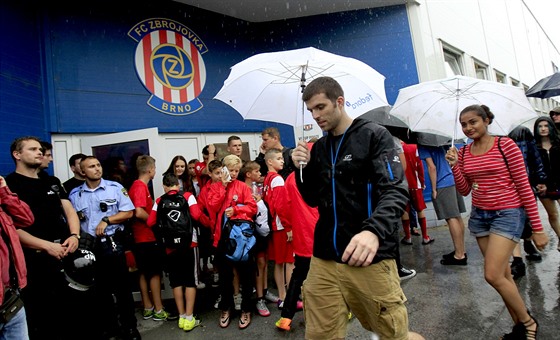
x=268 y=86
x=434 y=106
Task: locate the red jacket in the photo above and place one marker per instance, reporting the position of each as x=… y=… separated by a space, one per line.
x=13 y=213
x=237 y=195
x=303 y=219
x=277 y=200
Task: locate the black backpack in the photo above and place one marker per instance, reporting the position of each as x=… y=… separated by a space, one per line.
x=174 y=227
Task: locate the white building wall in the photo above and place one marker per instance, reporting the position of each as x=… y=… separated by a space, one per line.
x=502 y=34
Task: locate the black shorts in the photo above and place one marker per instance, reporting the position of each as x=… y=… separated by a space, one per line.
x=149 y=258
x=183 y=267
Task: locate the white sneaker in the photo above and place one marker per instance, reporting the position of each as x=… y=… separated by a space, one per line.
x=237 y=301
x=217 y=303
x=262 y=308
x=270 y=297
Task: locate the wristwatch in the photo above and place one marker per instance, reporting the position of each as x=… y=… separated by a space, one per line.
x=76 y=236
x=106 y=220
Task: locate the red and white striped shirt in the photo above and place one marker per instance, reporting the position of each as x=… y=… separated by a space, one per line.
x=493 y=186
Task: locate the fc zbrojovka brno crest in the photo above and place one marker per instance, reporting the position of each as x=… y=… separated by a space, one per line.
x=169 y=63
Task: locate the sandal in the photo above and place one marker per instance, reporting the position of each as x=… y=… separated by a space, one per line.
x=530 y=334
x=225 y=319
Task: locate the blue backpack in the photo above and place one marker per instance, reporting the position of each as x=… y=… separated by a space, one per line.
x=238 y=240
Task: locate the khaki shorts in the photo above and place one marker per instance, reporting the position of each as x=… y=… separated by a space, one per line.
x=372 y=293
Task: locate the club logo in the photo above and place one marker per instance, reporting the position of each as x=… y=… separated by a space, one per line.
x=168 y=61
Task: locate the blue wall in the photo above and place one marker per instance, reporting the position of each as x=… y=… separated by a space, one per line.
x=91 y=83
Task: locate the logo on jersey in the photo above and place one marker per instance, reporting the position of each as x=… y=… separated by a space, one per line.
x=168 y=61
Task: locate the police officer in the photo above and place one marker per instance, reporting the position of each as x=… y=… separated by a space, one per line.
x=103 y=206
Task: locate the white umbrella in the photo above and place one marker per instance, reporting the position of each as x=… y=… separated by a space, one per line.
x=268 y=86
x=434 y=106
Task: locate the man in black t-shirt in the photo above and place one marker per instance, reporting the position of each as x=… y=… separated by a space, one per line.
x=78 y=178
x=53 y=235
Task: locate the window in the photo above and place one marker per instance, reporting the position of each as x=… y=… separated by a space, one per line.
x=500 y=77
x=554 y=68
x=453 y=62
x=481 y=70
x=514 y=82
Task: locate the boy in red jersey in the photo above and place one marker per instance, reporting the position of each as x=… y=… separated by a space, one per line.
x=280 y=249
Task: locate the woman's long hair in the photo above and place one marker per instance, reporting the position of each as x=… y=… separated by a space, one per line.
x=185 y=177
x=552 y=132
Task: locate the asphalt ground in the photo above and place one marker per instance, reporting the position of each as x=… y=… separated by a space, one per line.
x=444 y=302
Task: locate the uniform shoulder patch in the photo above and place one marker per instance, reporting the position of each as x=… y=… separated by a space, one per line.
x=124 y=192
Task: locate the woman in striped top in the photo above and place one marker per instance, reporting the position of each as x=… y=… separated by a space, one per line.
x=492 y=170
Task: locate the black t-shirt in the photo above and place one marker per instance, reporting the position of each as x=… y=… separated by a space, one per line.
x=43 y=197
x=72 y=183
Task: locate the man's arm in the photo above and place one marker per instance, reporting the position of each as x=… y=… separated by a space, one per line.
x=432 y=172
x=73 y=224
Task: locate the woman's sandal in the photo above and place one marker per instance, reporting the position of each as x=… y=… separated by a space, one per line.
x=529 y=333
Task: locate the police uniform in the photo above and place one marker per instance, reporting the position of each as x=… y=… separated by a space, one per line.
x=111 y=274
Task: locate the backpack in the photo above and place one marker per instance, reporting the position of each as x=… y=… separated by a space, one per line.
x=174 y=228
x=238 y=239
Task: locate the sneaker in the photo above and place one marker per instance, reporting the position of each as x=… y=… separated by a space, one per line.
x=171 y=316
x=532 y=252
x=262 y=309
x=225 y=319
x=406 y=242
x=237 y=301
x=405 y=274
x=271 y=297
x=148 y=313
x=428 y=241
x=181 y=323
x=160 y=316
x=284 y=324
x=280 y=304
x=215 y=280
x=450 y=260
x=414 y=232
x=244 y=320
x=299 y=305
x=218 y=300
x=517 y=269
x=189 y=325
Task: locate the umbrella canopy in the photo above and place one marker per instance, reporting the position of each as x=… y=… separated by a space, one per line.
x=434 y=106
x=546 y=87
x=268 y=86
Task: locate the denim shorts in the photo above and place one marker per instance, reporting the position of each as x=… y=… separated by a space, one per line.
x=508 y=223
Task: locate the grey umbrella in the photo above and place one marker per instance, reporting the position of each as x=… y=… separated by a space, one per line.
x=546 y=87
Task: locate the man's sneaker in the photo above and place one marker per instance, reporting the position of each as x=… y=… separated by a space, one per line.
x=406 y=242
x=244 y=320
x=189 y=325
x=160 y=316
x=284 y=324
x=237 y=301
x=148 y=313
x=517 y=269
x=270 y=297
x=532 y=252
x=215 y=280
x=262 y=309
x=280 y=304
x=218 y=300
x=450 y=260
x=405 y=274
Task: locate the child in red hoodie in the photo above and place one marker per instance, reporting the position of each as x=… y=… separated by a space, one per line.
x=232 y=199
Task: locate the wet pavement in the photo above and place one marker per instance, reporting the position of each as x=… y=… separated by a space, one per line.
x=444 y=302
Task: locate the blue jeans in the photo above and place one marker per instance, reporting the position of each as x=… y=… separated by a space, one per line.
x=508 y=223
x=15 y=328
